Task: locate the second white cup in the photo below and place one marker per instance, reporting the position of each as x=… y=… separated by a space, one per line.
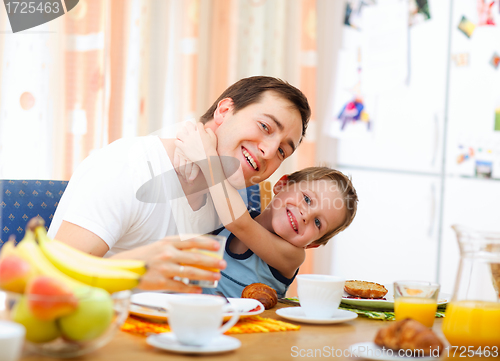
x=320 y=295
x=196 y=319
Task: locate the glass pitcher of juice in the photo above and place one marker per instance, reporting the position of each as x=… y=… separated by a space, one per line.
x=473 y=314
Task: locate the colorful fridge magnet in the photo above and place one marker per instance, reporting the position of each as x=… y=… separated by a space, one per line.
x=484 y=12
x=484 y=168
x=354 y=111
x=464 y=154
x=466 y=27
x=419 y=12
x=495 y=60
x=461 y=59
x=352 y=16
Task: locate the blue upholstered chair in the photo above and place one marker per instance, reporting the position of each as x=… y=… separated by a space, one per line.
x=253 y=194
x=21 y=200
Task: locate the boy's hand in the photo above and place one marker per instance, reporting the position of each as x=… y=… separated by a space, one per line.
x=195 y=142
x=186 y=169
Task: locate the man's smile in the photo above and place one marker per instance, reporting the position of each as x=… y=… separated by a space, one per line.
x=250 y=159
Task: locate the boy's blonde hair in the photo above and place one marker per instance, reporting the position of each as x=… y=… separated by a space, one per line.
x=344 y=186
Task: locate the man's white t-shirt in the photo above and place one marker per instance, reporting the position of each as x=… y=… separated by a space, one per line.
x=128 y=194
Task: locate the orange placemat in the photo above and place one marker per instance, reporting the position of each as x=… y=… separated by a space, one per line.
x=253 y=324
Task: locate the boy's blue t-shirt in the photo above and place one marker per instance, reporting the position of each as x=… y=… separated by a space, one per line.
x=247 y=268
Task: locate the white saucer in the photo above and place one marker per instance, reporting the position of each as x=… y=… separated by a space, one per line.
x=370 y=351
x=245 y=306
x=297 y=314
x=168 y=341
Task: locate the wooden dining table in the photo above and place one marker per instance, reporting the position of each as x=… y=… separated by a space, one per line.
x=323 y=341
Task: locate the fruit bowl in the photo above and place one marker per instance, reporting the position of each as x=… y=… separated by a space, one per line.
x=90 y=325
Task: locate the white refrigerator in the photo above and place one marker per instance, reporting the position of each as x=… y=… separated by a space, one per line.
x=429 y=93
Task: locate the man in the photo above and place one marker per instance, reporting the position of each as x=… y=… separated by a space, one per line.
x=106 y=208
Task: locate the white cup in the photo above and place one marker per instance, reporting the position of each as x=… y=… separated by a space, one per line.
x=196 y=319
x=320 y=295
x=11 y=340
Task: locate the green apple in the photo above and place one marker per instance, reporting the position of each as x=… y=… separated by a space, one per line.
x=36 y=330
x=91 y=318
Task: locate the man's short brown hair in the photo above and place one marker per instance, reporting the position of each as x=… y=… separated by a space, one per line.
x=248 y=91
x=344 y=186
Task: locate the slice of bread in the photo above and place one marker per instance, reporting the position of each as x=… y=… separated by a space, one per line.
x=365 y=289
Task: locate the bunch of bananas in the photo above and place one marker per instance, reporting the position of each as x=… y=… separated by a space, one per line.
x=47 y=256
x=65 y=292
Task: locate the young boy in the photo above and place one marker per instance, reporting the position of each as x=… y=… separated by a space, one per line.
x=310 y=206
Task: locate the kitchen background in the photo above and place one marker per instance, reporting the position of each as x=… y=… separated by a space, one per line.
x=415 y=111
x=404 y=93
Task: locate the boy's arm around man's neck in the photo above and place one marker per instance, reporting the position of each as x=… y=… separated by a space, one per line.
x=232 y=211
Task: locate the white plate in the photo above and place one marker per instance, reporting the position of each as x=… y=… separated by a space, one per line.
x=168 y=341
x=244 y=305
x=388 y=303
x=297 y=314
x=370 y=351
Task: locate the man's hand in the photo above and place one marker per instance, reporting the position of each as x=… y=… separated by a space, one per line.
x=169 y=259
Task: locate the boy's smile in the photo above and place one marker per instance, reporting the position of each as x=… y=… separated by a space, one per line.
x=293 y=221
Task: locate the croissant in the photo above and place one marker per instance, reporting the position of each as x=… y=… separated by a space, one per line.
x=409 y=334
x=261 y=292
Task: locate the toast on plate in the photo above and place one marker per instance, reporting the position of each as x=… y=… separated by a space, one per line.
x=365 y=289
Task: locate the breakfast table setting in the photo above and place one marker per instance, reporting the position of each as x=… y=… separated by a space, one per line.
x=47 y=315
x=282 y=332
x=310 y=340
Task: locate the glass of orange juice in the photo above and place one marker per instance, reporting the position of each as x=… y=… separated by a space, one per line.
x=416 y=300
x=219 y=254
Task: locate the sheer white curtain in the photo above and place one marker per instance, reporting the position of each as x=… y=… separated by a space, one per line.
x=119 y=68
x=330 y=24
x=267 y=41
x=171 y=79
x=50 y=81
x=29 y=78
